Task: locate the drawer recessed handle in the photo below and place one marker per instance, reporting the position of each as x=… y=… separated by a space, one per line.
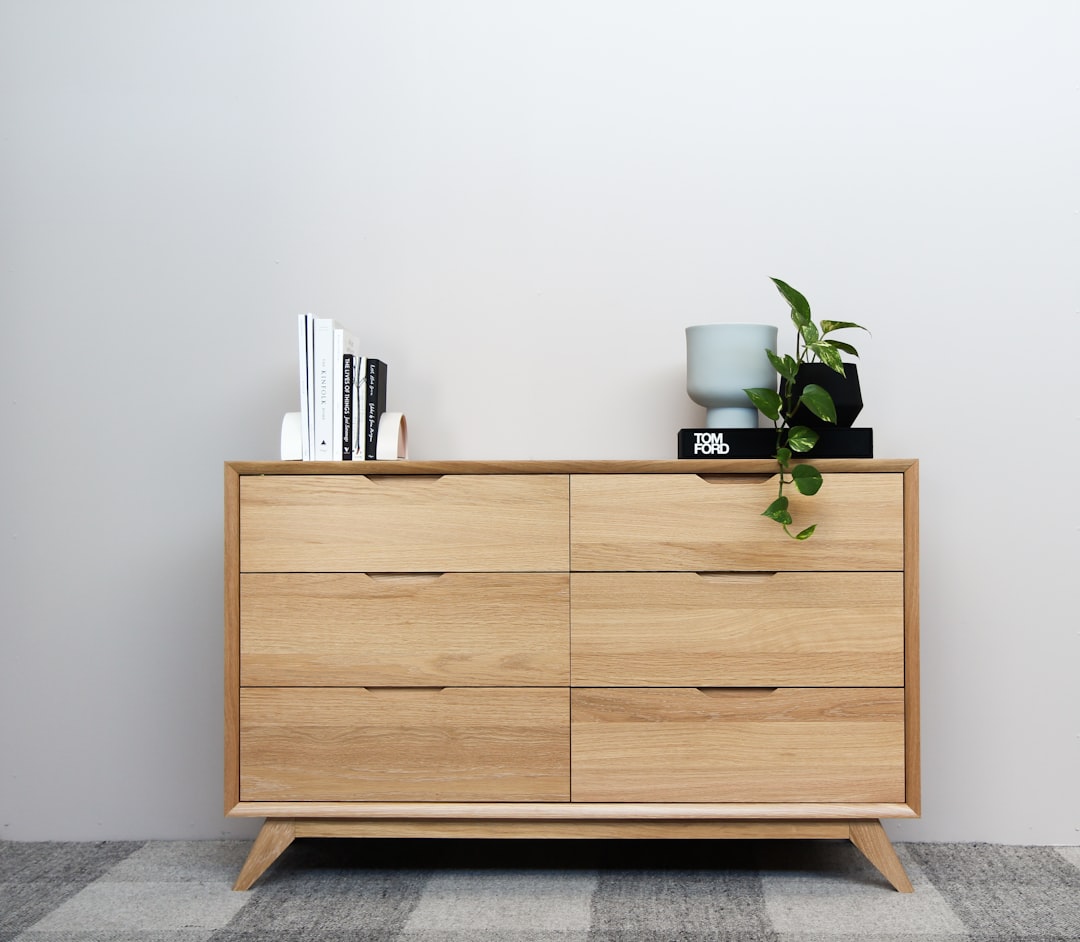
x=737 y=691
x=736 y=576
x=421 y=578
x=400 y=478
x=403 y=691
x=737 y=478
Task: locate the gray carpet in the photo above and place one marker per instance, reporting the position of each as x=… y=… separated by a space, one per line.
x=525 y=891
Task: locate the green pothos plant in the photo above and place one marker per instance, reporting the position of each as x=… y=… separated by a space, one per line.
x=812 y=345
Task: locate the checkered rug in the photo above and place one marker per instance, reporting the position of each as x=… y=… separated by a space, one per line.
x=525 y=891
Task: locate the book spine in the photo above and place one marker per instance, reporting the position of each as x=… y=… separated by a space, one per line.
x=359 y=434
x=337 y=414
x=348 y=390
x=376 y=404
x=305 y=409
x=309 y=430
x=324 y=386
x=351 y=349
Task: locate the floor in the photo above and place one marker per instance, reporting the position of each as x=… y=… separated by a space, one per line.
x=524 y=891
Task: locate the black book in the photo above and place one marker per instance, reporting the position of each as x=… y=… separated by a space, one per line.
x=376 y=404
x=348 y=387
x=761 y=443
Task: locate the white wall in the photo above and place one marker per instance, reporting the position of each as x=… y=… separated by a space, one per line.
x=520 y=206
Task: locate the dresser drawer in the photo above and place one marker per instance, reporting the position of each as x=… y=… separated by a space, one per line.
x=403 y=523
x=786 y=745
x=455 y=629
x=700 y=523
x=784 y=629
x=357 y=744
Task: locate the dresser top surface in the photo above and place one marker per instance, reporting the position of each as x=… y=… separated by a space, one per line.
x=568 y=466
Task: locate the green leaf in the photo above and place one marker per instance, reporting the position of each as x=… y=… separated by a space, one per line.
x=768 y=401
x=801 y=438
x=785 y=365
x=827 y=327
x=783 y=457
x=778 y=511
x=818 y=401
x=846 y=347
x=807 y=479
x=828 y=355
x=809 y=333
x=807 y=533
x=800 y=307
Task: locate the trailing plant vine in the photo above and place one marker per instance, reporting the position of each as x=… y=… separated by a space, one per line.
x=811 y=345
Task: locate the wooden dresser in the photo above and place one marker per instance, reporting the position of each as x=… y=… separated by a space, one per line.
x=584 y=649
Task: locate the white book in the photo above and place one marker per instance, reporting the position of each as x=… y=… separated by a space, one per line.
x=309 y=430
x=305 y=386
x=337 y=393
x=324 y=389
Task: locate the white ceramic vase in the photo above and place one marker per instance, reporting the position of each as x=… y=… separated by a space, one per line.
x=721 y=361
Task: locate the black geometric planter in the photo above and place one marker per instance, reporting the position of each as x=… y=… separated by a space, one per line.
x=845 y=392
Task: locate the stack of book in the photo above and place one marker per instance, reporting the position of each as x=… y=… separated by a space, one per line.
x=342 y=393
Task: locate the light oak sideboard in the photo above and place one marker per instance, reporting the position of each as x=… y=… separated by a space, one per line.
x=570 y=649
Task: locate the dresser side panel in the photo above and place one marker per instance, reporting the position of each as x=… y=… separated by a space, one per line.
x=232 y=637
x=911 y=638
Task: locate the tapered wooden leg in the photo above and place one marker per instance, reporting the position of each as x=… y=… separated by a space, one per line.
x=275 y=836
x=871 y=839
